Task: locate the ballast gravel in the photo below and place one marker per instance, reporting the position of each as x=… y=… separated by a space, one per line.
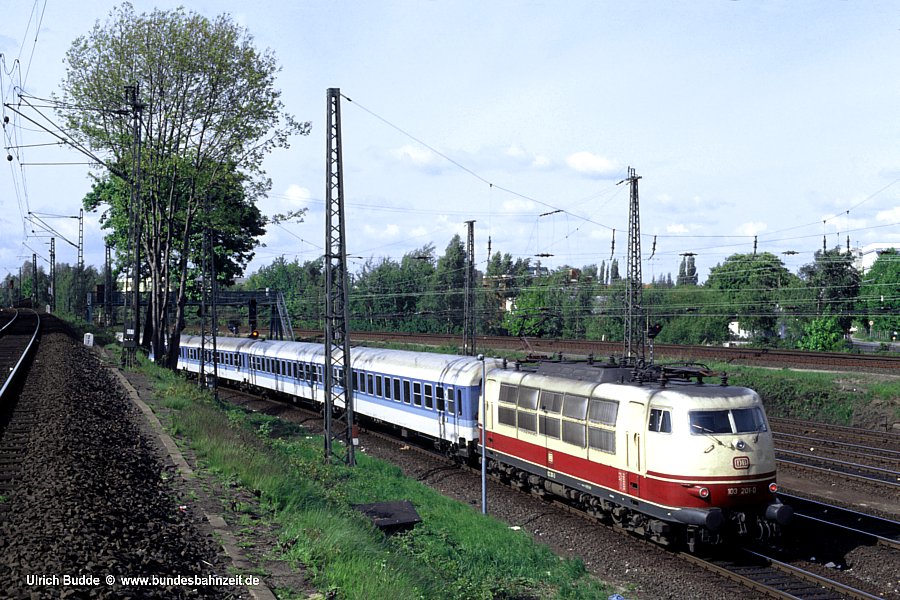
x=93 y=501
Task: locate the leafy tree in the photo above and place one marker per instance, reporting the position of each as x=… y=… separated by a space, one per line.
x=210 y=115
x=445 y=298
x=751 y=283
x=823 y=334
x=303 y=286
x=687 y=272
x=614 y=271
x=835 y=283
x=688 y=314
x=878 y=293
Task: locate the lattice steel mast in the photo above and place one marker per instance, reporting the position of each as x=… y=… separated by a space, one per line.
x=337 y=308
x=469 y=302
x=634 y=287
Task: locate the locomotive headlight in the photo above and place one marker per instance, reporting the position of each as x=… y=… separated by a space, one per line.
x=773 y=487
x=740 y=445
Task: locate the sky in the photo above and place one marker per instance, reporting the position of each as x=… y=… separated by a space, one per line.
x=773 y=122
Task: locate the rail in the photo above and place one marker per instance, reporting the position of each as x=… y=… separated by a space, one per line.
x=15 y=370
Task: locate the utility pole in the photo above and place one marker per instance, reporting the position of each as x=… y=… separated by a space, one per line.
x=208 y=303
x=34 y=281
x=337 y=309
x=132 y=94
x=469 y=301
x=107 y=289
x=53 y=275
x=634 y=287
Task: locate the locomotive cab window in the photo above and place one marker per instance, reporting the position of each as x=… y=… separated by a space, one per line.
x=738 y=420
x=660 y=420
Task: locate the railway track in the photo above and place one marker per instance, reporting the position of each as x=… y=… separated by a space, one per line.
x=838 y=361
x=18 y=341
x=872 y=528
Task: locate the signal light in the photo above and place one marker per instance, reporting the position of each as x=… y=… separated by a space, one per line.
x=773 y=487
x=254 y=334
x=699 y=491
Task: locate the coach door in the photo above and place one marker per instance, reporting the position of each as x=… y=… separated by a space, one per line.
x=634 y=446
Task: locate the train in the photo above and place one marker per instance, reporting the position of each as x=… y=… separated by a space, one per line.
x=661 y=451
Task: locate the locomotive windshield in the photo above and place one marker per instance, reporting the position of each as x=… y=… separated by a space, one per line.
x=737 y=420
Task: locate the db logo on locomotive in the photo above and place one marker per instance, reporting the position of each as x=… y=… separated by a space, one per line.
x=741 y=462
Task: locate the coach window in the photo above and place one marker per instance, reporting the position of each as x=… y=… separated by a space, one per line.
x=406 y=393
x=417 y=393
x=459 y=404
x=660 y=420
x=387 y=387
x=439 y=397
x=370 y=381
x=398 y=397
x=451 y=405
x=378 y=388
x=429 y=400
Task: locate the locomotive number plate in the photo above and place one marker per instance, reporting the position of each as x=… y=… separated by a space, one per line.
x=742 y=491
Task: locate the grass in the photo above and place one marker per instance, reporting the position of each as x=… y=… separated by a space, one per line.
x=454 y=553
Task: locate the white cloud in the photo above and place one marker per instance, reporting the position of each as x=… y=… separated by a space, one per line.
x=592 y=165
x=541 y=162
x=676 y=228
x=389 y=231
x=298 y=194
x=518 y=205
x=664 y=199
x=751 y=228
x=418 y=231
x=892 y=215
x=419 y=157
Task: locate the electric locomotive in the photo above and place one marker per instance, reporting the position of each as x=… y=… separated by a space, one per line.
x=656 y=452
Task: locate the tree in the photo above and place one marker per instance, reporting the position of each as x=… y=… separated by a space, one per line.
x=835 y=283
x=751 y=284
x=878 y=293
x=210 y=115
x=823 y=334
x=445 y=297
